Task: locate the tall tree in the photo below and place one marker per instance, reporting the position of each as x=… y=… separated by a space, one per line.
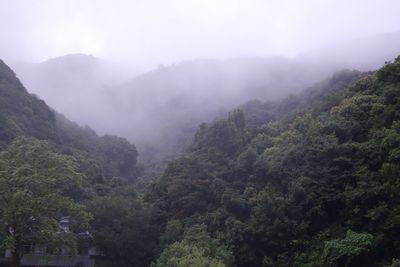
x=37 y=186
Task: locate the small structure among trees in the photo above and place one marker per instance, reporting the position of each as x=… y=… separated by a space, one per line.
x=62 y=255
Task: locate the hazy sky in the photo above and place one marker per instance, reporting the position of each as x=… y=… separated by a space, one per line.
x=166 y=31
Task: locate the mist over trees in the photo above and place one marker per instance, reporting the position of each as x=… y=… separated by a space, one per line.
x=308 y=180
x=199 y=133
x=160 y=110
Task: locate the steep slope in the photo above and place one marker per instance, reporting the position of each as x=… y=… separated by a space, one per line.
x=23 y=114
x=311 y=181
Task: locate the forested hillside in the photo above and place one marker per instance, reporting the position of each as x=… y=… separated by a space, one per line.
x=23 y=114
x=311 y=180
x=50 y=167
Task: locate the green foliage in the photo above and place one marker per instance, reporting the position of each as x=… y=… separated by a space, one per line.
x=181 y=255
x=102 y=157
x=186 y=187
x=198 y=249
x=37 y=187
x=280 y=187
x=223 y=139
x=40 y=181
x=22 y=113
x=124 y=228
x=343 y=251
x=390 y=73
x=173 y=232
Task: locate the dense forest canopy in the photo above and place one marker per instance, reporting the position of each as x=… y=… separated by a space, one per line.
x=309 y=180
x=313 y=183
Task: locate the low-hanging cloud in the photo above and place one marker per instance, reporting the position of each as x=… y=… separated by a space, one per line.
x=149 y=32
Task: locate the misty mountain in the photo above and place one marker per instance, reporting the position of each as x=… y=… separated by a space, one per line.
x=72 y=84
x=165 y=106
x=160 y=110
x=69 y=82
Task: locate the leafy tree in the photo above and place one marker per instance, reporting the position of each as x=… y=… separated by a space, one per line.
x=125 y=229
x=183 y=255
x=173 y=232
x=343 y=251
x=37 y=186
x=185 y=183
x=196 y=249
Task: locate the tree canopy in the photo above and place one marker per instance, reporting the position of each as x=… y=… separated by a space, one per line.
x=37 y=188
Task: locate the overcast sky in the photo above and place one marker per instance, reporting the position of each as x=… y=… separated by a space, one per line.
x=167 y=31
